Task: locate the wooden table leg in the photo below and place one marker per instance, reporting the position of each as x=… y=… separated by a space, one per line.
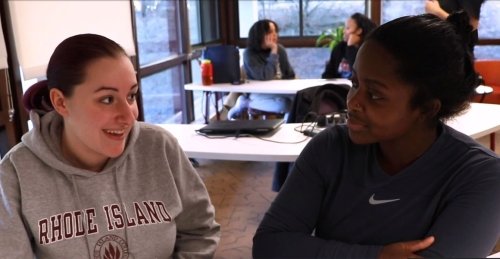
x=492 y=141
x=207 y=105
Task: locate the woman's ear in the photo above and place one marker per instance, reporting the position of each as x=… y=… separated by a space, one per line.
x=58 y=101
x=431 y=109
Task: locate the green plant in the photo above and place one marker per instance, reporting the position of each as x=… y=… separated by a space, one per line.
x=330 y=38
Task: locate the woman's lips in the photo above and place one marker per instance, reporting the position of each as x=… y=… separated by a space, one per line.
x=355 y=124
x=116 y=134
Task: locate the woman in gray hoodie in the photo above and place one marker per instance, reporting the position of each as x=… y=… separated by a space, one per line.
x=89 y=181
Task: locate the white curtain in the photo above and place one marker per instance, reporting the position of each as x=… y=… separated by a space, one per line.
x=3 y=50
x=39 y=26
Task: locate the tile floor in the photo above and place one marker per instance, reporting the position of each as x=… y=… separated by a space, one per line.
x=241 y=193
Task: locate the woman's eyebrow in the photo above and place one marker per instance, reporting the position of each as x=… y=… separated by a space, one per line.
x=111 y=88
x=106 y=88
x=376 y=84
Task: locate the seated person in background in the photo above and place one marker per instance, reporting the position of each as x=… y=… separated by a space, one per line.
x=443 y=8
x=264 y=59
x=344 y=53
x=89 y=180
x=395 y=182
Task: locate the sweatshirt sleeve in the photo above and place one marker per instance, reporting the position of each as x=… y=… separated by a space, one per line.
x=350 y=55
x=469 y=225
x=198 y=233
x=258 y=67
x=14 y=234
x=332 y=67
x=288 y=226
x=286 y=67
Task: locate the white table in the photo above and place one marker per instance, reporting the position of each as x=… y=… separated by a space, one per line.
x=480 y=120
x=285 y=86
x=496 y=255
x=242 y=148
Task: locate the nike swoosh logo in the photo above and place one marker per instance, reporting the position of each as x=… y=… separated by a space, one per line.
x=372 y=200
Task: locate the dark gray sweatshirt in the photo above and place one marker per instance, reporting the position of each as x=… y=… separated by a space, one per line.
x=339 y=192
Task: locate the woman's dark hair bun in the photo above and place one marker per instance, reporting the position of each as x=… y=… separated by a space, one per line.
x=460 y=21
x=37 y=97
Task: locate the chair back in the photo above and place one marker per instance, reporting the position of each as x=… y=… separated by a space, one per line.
x=226 y=63
x=489 y=69
x=320 y=100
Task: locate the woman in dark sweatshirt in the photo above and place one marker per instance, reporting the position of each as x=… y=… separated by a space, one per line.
x=343 y=54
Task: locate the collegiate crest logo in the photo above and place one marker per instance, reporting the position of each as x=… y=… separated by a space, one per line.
x=111 y=247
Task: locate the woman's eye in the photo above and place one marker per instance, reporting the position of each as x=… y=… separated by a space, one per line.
x=132 y=97
x=374 y=96
x=107 y=100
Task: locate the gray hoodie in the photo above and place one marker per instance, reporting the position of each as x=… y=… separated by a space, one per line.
x=147 y=203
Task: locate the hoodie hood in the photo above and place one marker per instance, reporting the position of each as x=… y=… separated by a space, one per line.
x=45 y=138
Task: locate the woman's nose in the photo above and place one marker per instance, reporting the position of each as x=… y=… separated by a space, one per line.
x=352 y=98
x=127 y=111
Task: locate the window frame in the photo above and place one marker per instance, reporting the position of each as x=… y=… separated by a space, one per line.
x=373 y=10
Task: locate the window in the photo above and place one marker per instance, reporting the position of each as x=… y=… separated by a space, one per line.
x=297 y=18
x=194 y=21
x=392 y=9
x=203 y=29
x=489 y=29
x=488 y=26
x=156 y=30
x=160 y=60
x=163 y=99
x=203 y=22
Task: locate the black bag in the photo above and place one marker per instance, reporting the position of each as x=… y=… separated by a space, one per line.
x=320 y=100
x=226 y=63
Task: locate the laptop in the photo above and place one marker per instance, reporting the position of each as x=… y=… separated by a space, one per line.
x=241 y=127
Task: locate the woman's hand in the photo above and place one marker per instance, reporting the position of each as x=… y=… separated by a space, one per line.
x=270 y=42
x=405 y=249
x=354 y=40
x=433 y=7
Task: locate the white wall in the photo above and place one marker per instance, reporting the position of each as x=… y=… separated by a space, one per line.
x=39 y=26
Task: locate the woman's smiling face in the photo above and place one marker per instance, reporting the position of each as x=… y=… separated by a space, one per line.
x=100 y=113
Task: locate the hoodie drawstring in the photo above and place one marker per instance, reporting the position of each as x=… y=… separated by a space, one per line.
x=124 y=211
x=79 y=205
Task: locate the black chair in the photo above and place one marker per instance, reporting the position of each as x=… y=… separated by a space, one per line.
x=317 y=100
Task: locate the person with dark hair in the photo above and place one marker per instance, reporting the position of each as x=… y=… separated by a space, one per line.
x=443 y=8
x=395 y=181
x=89 y=181
x=344 y=53
x=264 y=59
